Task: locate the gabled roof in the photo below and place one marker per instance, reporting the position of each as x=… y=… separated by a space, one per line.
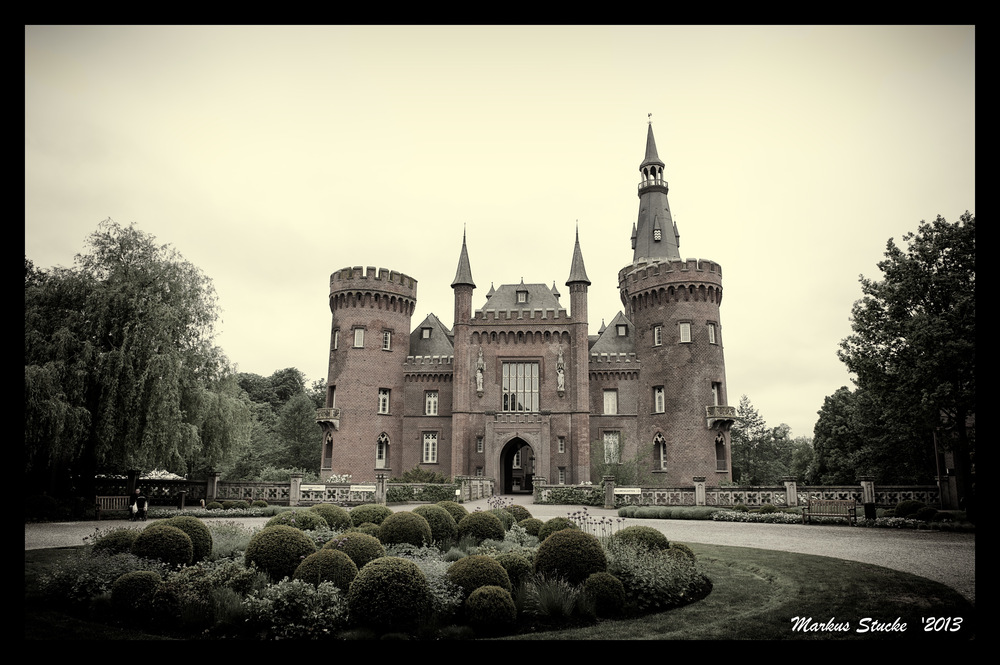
x=539 y=296
x=440 y=342
x=609 y=341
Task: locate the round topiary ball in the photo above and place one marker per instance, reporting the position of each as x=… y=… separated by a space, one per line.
x=337 y=518
x=555 y=524
x=213 y=505
x=304 y=520
x=456 y=509
x=571 y=554
x=481 y=526
x=327 y=565
x=390 y=593
x=259 y=503
x=197 y=531
x=278 y=550
x=117 y=541
x=369 y=512
x=645 y=536
x=405 y=527
x=519 y=512
x=369 y=528
x=477 y=570
x=680 y=549
x=132 y=591
x=517 y=565
x=360 y=547
x=444 y=528
x=490 y=610
x=165 y=543
x=606 y=592
x=532 y=525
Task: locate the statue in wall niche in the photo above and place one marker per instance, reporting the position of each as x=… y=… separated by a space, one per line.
x=480 y=367
x=560 y=374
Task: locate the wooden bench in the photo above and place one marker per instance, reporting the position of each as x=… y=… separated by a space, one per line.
x=110 y=503
x=830 y=508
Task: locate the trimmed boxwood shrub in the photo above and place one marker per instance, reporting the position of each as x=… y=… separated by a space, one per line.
x=304 y=520
x=490 y=610
x=390 y=593
x=925 y=514
x=132 y=591
x=369 y=528
x=571 y=554
x=278 y=550
x=327 y=565
x=259 y=503
x=213 y=505
x=478 y=570
x=555 y=524
x=481 y=526
x=444 y=528
x=369 y=512
x=642 y=535
x=197 y=531
x=116 y=541
x=405 y=527
x=680 y=549
x=519 y=512
x=908 y=508
x=606 y=592
x=165 y=543
x=360 y=547
x=456 y=509
x=532 y=525
x=337 y=518
x=517 y=565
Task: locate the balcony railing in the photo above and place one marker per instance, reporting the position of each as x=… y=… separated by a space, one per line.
x=329 y=415
x=720 y=417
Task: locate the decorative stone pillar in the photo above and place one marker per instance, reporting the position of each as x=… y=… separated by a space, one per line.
x=380 y=490
x=295 y=491
x=868 y=496
x=212 y=486
x=699 y=490
x=791 y=491
x=536 y=488
x=609 y=492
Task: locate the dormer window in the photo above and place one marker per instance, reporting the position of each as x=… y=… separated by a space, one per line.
x=622 y=330
x=425 y=333
x=522 y=297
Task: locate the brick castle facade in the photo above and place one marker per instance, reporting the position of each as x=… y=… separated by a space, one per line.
x=518 y=388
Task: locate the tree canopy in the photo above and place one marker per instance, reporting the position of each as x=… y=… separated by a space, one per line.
x=912 y=352
x=763 y=455
x=120 y=367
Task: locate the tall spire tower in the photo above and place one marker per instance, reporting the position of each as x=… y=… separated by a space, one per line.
x=654 y=237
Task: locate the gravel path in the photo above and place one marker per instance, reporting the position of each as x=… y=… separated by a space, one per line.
x=949 y=558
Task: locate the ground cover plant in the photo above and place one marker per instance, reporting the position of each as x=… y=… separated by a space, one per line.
x=224 y=596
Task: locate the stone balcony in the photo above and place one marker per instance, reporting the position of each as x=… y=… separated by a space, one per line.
x=329 y=416
x=720 y=417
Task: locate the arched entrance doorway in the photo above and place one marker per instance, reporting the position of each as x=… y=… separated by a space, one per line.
x=517 y=466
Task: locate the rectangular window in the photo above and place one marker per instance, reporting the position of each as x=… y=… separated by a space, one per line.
x=425 y=333
x=359 y=338
x=479 y=444
x=659 y=400
x=716 y=393
x=383 y=400
x=522 y=296
x=562 y=475
x=622 y=330
x=479 y=471
x=331 y=392
x=562 y=444
x=336 y=339
x=430 y=448
x=386 y=341
x=520 y=387
x=431 y=403
x=711 y=333
x=610 y=402
x=612 y=447
x=685 y=330
x=657 y=335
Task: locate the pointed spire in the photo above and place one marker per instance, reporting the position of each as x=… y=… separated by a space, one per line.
x=651 y=156
x=654 y=235
x=464 y=274
x=577 y=271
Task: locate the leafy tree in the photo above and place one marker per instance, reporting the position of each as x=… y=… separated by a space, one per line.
x=761 y=455
x=120 y=369
x=913 y=349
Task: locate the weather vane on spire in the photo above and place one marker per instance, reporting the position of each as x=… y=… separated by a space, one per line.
x=650 y=116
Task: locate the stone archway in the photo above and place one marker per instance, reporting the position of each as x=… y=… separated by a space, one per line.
x=517 y=466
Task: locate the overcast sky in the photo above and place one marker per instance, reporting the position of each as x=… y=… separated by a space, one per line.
x=272 y=156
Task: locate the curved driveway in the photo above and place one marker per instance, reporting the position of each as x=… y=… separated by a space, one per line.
x=949 y=558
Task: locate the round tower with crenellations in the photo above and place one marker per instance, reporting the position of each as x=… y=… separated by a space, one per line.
x=682 y=418
x=369 y=341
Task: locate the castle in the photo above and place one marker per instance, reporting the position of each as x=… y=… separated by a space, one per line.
x=518 y=388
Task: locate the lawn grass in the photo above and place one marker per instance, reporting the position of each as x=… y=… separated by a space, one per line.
x=756 y=595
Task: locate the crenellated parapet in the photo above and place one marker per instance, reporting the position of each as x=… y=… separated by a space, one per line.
x=379 y=289
x=645 y=284
x=525 y=314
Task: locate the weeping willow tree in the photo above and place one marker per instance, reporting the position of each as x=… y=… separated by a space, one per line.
x=120 y=368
